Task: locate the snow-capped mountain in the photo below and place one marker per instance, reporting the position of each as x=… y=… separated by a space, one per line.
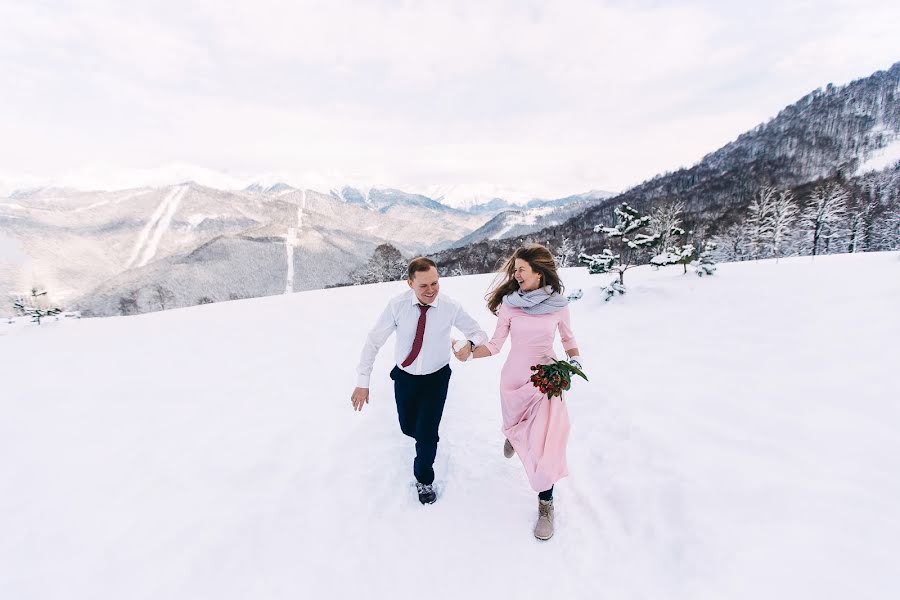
x=470 y=196
x=385 y=199
x=537 y=215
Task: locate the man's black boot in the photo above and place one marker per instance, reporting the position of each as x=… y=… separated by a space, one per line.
x=426 y=493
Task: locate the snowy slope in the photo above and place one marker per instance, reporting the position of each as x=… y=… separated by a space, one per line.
x=882 y=158
x=738 y=439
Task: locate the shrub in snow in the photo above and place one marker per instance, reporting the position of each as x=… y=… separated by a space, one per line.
x=612 y=289
x=678 y=255
x=35 y=307
x=576 y=295
x=705 y=264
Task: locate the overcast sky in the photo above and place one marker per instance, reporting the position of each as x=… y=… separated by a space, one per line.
x=547 y=97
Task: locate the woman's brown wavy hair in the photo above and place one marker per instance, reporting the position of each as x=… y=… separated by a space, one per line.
x=541 y=261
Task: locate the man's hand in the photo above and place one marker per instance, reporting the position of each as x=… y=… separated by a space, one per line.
x=465 y=349
x=360 y=396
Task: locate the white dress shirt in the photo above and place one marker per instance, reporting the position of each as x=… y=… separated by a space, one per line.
x=402 y=315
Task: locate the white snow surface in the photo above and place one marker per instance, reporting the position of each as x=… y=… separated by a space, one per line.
x=881 y=159
x=738 y=439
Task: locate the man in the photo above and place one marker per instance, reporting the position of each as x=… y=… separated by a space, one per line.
x=422 y=371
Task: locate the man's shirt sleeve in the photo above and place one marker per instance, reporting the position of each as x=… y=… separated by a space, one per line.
x=470 y=327
x=379 y=334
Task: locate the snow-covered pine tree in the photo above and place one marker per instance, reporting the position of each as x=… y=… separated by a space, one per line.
x=784 y=217
x=824 y=215
x=628 y=233
x=705 y=263
x=604 y=262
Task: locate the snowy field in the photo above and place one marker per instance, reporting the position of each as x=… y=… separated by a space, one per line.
x=739 y=439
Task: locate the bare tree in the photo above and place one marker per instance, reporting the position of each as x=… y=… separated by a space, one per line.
x=784 y=215
x=886 y=233
x=862 y=219
x=759 y=221
x=164 y=296
x=824 y=214
x=386 y=264
x=732 y=243
x=665 y=221
x=128 y=304
x=565 y=253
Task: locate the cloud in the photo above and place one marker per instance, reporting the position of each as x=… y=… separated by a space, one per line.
x=559 y=97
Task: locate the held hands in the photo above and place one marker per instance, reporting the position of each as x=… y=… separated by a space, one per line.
x=360 y=396
x=462 y=350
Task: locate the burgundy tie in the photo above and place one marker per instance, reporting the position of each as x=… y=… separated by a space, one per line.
x=417 y=341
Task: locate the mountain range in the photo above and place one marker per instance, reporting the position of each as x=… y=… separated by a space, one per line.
x=151 y=248
x=129 y=251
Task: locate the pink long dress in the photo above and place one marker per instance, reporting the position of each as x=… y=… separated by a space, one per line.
x=536 y=426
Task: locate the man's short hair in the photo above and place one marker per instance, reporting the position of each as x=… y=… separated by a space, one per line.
x=419 y=264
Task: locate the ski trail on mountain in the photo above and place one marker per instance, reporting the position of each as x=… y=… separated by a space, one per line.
x=300 y=209
x=148 y=228
x=289 y=246
x=169 y=206
x=290 y=241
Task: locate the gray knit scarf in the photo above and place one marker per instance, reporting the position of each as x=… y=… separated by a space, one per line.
x=537 y=302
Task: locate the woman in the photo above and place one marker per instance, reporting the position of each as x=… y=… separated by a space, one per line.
x=530 y=307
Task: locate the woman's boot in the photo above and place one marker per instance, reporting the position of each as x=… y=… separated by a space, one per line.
x=543 y=529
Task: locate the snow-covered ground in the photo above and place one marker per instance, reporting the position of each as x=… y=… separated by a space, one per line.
x=739 y=439
x=883 y=158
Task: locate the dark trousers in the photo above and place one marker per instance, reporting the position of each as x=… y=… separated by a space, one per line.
x=420 y=405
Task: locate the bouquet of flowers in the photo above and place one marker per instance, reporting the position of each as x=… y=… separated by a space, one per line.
x=553 y=378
